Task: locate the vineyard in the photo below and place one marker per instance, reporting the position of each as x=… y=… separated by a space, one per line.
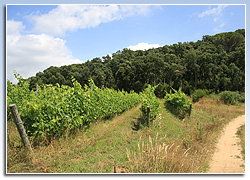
x=50 y=111
x=95 y=130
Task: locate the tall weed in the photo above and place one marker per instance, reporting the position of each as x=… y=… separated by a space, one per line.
x=154 y=157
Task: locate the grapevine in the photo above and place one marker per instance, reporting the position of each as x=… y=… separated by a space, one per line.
x=60 y=108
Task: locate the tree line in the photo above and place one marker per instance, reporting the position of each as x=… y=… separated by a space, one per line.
x=216 y=63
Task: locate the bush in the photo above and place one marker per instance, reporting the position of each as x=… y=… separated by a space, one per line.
x=199 y=93
x=177 y=103
x=230 y=97
x=242 y=98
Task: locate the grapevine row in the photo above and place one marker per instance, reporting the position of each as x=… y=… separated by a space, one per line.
x=52 y=110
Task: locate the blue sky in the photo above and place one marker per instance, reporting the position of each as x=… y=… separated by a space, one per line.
x=44 y=35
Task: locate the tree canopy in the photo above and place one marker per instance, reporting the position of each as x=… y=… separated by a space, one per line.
x=216 y=62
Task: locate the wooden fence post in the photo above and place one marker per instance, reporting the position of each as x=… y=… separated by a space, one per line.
x=19 y=126
x=190 y=108
x=148 y=115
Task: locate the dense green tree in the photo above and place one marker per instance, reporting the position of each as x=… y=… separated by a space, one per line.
x=215 y=62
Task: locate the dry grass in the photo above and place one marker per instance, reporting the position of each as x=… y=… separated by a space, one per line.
x=152 y=157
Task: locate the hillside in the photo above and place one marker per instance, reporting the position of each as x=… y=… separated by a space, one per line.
x=216 y=62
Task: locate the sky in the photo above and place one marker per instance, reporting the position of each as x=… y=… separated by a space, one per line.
x=40 y=36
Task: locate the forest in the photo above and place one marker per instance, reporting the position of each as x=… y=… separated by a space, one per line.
x=215 y=63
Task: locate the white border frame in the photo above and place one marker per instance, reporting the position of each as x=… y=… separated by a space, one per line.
x=213 y=4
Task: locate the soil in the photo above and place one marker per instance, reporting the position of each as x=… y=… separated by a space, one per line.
x=227 y=157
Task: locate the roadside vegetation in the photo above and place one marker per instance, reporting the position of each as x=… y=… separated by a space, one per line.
x=241 y=134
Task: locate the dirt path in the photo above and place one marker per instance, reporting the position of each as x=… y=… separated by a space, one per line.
x=227 y=157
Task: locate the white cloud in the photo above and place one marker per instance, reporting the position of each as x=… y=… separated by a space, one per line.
x=143 y=46
x=217 y=14
x=73 y=17
x=219 y=27
x=214 y=12
x=29 y=54
x=14 y=27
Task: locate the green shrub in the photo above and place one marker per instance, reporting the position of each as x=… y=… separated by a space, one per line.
x=229 y=97
x=177 y=103
x=242 y=98
x=199 y=93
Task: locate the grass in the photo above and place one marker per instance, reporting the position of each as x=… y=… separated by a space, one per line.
x=96 y=150
x=192 y=141
x=241 y=134
x=125 y=145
